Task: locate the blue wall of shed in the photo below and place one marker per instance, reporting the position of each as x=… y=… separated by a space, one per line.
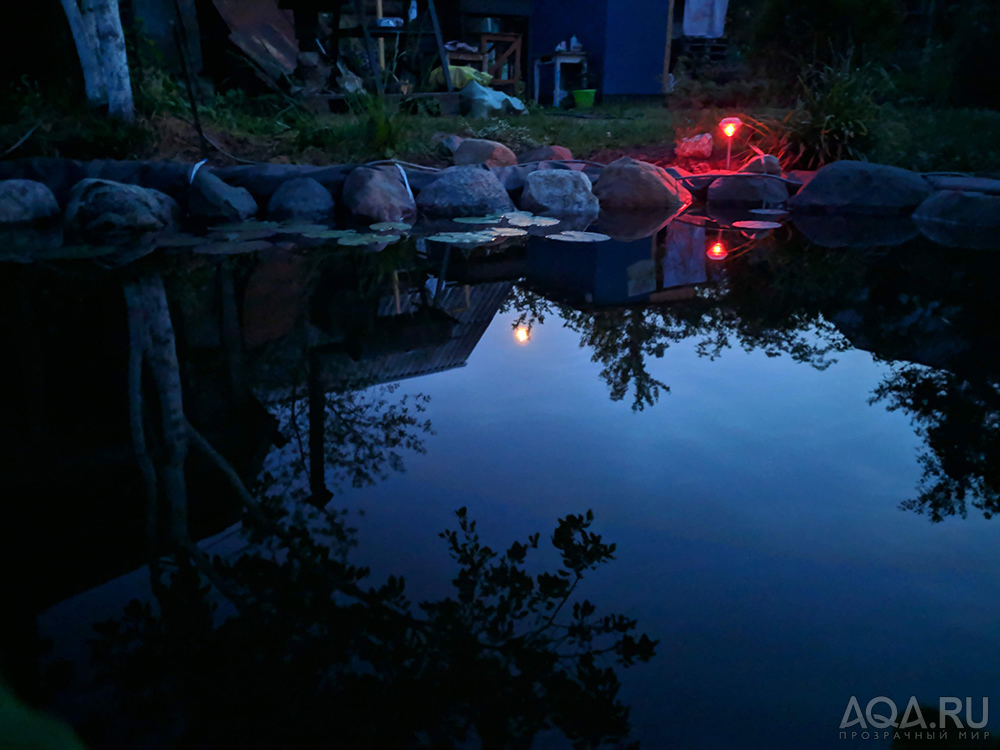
x=555 y=21
x=636 y=38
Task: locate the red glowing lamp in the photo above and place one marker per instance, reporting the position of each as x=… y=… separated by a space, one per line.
x=717 y=251
x=729 y=127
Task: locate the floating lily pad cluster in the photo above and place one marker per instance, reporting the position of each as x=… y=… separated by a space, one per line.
x=518 y=222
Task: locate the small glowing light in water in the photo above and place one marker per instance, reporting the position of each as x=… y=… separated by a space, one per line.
x=521 y=334
x=717 y=251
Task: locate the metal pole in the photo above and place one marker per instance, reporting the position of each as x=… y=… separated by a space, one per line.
x=670 y=41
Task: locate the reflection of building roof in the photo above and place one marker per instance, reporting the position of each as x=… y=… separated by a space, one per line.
x=472 y=307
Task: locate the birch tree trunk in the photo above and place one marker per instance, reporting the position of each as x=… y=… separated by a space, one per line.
x=85 y=38
x=100 y=44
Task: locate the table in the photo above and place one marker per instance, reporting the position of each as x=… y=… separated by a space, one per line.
x=557 y=60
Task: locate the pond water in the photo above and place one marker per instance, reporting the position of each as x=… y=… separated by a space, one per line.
x=795 y=449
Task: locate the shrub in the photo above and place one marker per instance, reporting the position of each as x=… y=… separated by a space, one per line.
x=834 y=118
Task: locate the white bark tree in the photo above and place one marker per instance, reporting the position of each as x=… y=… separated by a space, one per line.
x=100 y=43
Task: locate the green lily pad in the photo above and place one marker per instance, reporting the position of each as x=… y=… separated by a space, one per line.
x=507 y=231
x=756 y=225
x=476 y=220
x=243 y=235
x=391 y=226
x=233 y=248
x=329 y=234
x=367 y=239
x=300 y=227
x=520 y=220
x=464 y=238
x=579 y=237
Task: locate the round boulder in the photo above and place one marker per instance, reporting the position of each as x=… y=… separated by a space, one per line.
x=559 y=191
x=379 y=194
x=103 y=206
x=464 y=191
x=210 y=198
x=301 y=198
x=480 y=151
x=26 y=202
x=546 y=153
x=857 y=187
x=747 y=191
x=628 y=184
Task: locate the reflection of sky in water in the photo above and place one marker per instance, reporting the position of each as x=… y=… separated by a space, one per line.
x=755 y=508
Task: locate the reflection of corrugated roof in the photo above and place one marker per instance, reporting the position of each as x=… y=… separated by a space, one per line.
x=473 y=307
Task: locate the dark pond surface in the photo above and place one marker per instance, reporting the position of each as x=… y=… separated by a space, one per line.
x=795 y=449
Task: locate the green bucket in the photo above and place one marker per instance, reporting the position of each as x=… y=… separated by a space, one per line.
x=584 y=98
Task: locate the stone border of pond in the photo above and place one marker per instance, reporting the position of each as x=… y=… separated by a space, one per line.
x=100 y=197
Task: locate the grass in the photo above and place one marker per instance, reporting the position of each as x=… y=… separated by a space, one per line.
x=273 y=128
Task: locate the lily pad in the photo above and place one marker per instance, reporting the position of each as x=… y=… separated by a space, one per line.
x=391 y=226
x=464 y=238
x=243 y=235
x=477 y=220
x=571 y=236
x=768 y=211
x=507 y=231
x=756 y=225
x=300 y=227
x=520 y=220
x=233 y=248
x=329 y=234
x=367 y=239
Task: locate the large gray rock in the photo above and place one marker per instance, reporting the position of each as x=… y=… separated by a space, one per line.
x=628 y=185
x=747 y=191
x=861 y=188
x=558 y=192
x=379 y=194
x=263 y=180
x=512 y=178
x=57 y=173
x=480 y=151
x=301 y=198
x=210 y=198
x=464 y=191
x=26 y=202
x=960 y=219
x=546 y=153
x=104 y=207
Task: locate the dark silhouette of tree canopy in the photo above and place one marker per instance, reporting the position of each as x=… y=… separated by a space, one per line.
x=307 y=655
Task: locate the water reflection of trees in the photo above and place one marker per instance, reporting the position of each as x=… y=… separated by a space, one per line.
x=959 y=420
x=919 y=306
x=286 y=643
